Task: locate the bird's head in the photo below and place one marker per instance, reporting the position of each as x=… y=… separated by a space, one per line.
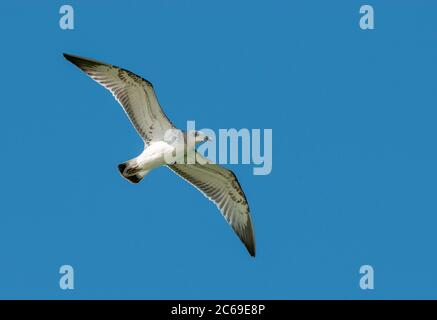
x=198 y=136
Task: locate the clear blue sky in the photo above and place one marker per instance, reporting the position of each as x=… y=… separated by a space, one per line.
x=354 y=174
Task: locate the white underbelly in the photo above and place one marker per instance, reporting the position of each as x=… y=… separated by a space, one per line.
x=155 y=155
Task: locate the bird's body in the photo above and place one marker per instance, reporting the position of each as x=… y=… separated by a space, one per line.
x=162 y=145
x=153 y=156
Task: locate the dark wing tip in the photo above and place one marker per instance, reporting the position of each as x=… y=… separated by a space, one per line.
x=82 y=62
x=251 y=250
x=247 y=236
x=249 y=242
x=86 y=62
x=71 y=58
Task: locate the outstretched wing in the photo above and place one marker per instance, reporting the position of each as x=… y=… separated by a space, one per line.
x=222 y=187
x=135 y=94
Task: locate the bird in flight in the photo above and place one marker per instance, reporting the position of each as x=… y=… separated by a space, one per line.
x=138 y=99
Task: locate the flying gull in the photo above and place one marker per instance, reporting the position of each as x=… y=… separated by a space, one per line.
x=138 y=99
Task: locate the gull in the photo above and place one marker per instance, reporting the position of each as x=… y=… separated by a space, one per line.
x=138 y=99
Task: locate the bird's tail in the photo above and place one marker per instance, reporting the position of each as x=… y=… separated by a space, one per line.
x=131 y=171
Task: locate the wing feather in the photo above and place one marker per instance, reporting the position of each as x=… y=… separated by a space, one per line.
x=221 y=186
x=135 y=94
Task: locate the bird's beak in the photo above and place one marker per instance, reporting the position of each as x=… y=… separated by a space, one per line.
x=208 y=138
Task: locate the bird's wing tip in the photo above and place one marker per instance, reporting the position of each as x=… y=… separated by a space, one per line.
x=72 y=58
x=251 y=251
x=67 y=56
x=77 y=60
x=249 y=243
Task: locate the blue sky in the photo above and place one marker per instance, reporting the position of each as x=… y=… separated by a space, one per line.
x=354 y=160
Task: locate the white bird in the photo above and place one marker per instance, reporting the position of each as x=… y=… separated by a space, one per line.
x=138 y=99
